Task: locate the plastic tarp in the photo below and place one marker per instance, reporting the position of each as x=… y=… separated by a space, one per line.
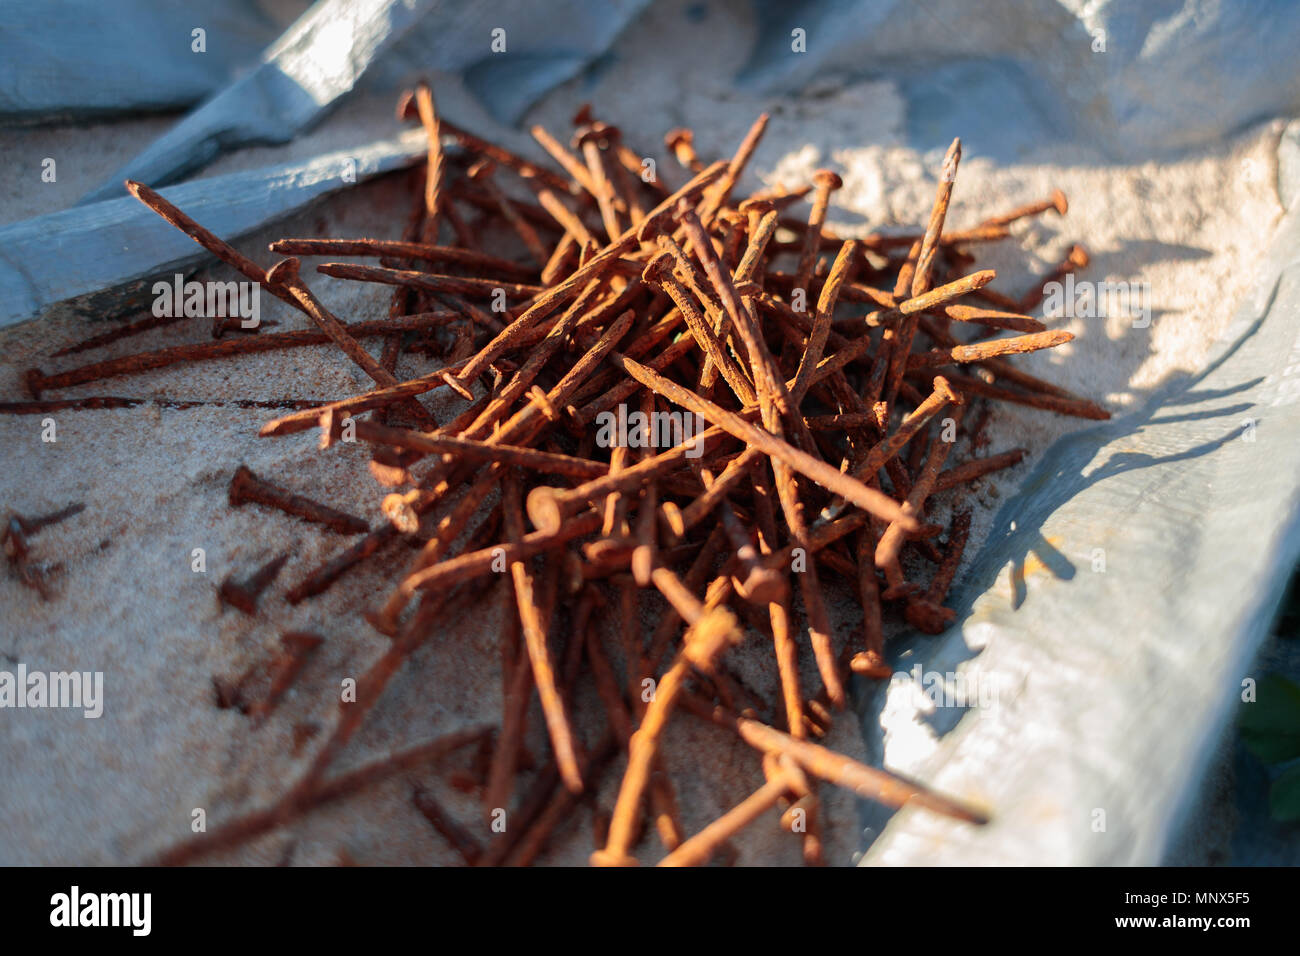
x=1114 y=609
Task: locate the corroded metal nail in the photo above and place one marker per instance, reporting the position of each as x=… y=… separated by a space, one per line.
x=1057 y=201
x=681 y=142
x=243 y=595
x=246 y=487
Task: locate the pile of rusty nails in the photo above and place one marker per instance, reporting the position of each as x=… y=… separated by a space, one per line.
x=825 y=371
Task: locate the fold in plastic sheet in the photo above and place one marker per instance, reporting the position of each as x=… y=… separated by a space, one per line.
x=62 y=60
x=343 y=45
x=112 y=245
x=1131 y=78
x=1109 y=620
